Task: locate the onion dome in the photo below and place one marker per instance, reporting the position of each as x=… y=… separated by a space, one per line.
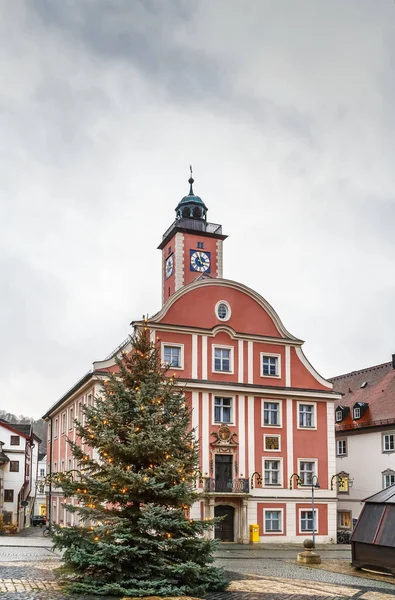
x=191 y=206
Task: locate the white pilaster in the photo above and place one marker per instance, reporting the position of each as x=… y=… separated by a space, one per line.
x=242 y=437
x=241 y=362
x=290 y=441
x=250 y=362
x=291 y=519
x=195 y=413
x=205 y=434
x=288 y=366
x=204 y=356
x=194 y=356
x=330 y=417
x=251 y=437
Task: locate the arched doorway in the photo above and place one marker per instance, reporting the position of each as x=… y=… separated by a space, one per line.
x=224 y=530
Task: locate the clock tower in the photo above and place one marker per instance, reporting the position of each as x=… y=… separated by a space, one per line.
x=191 y=246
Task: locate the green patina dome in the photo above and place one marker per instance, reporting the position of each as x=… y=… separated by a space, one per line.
x=191 y=206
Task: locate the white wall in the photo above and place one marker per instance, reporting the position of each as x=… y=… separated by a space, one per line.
x=364 y=463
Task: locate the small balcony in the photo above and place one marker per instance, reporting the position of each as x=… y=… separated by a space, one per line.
x=227 y=486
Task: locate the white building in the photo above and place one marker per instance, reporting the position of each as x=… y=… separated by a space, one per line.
x=19 y=471
x=365 y=437
x=39 y=504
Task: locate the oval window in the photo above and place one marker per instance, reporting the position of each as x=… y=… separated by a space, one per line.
x=222 y=310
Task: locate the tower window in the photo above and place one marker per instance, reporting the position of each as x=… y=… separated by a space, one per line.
x=200 y=244
x=169 y=250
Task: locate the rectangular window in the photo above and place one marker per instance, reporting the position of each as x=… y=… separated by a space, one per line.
x=344 y=520
x=222 y=410
x=14 y=466
x=8 y=495
x=357 y=413
x=388 y=442
x=69 y=464
x=71 y=417
x=270 y=366
x=307 y=470
x=172 y=356
x=306 y=415
x=56 y=426
x=80 y=413
x=15 y=440
x=271 y=413
x=273 y=520
x=222 y=359
x=42 y=472
x=306 y=520
x=90 y=400
x=272 y=472
x=63 y=423
x=272 y=443
x=389 y=479
x=339 y=416
x=200 y=244
x=341 y=447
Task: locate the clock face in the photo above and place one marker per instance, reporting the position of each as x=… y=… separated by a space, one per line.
x=200 y=261
x=169 y=266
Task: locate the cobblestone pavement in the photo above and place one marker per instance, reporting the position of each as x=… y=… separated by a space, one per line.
x=26 y=574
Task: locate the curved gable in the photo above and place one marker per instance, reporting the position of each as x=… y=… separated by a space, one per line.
x=194 y=306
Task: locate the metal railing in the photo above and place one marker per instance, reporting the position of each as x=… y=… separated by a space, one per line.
x=195 y=225
x=229 y=486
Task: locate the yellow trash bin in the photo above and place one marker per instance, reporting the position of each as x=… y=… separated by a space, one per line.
x=254 y=533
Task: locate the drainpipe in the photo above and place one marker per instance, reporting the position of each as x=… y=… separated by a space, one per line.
x=50 y=473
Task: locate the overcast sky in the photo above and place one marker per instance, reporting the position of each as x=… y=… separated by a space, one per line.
x=284 y=108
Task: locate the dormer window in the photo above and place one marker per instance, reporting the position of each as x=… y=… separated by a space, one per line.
x=340 y=413
x=359 y=409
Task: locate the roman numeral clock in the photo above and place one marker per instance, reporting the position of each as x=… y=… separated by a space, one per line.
x=200 y=261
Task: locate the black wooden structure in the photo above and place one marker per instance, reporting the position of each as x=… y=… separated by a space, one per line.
x=373 y=539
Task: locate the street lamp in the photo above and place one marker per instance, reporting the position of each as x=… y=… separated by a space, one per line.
x=315 y=485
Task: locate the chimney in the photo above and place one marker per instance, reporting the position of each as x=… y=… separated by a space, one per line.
x=393 y=361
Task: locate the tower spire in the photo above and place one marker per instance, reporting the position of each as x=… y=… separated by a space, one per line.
x=190 y=181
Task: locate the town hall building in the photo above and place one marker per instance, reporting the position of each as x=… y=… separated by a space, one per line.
x=263 y=415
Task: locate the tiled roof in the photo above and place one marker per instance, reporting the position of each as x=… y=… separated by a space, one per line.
x=374 y=386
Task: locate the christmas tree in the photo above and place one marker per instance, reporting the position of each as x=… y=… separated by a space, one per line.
x=138 y=460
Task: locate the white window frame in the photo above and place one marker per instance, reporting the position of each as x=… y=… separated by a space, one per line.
x=280 y=412
x=316 y=521
x=387 y=473
x=71 y=417
x=306 y=403
x=56 y=427
x=63 y=421
x=384 y=435
x=232 y=409
x=271 y=355
x=171 y=345
x=315 y=473
x=339 y=412
x=278 y=459
x=227 y=306
x=270 y=531
x=267 y=435
x=231 y=358
x=356 y=413
x=337 y=447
